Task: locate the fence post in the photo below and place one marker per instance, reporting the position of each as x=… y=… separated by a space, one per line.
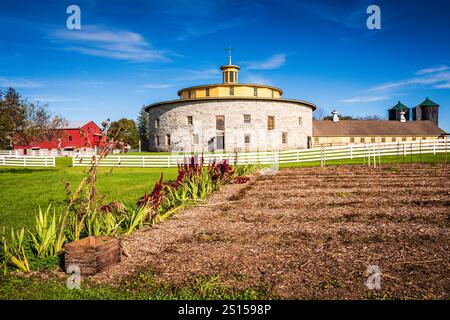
x=379 y=155
x=351 y=152
x=404 y=153
x=420 y=150
x=434 y=147
x=143 y=162
x=24 y=161
x=446 y=140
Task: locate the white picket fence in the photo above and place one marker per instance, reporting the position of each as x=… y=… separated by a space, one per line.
x=371 y=151
x=26 y=161
x=47 y=153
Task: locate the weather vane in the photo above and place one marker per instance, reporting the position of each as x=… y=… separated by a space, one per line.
x=229 y=49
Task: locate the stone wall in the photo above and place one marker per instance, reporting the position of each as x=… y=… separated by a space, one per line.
x=173 y=121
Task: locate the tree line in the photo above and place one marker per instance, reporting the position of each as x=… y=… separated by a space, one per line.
x=23 y=122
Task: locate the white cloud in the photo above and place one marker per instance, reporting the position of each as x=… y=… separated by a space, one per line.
x=53 y=99
x=434 y=78
x=191 y=31
x=365 y=99
x=439 y=68
x=109 y=43
x=274 y=62
x=200 y=74
x=156 y=86
x=443 y=86
x=18 y=83
x=257 y=80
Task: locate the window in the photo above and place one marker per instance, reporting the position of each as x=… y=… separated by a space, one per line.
x=226 y=77
x=207 y=92
x=220 y=123
x=383 y=139
x=424 y=138
x=255 y=92
x=231 y=91
x=247 y=118
x=300 y=121
x=190 y=94
x=372 y=140
x=231 y=76
x=403 y=138
x=316 y=140
x=246 y=138
x=157 y=140
x=270 y=122
x=272 y=93
x=195 y=139
x=70 y=138
x=189 y=120
x=394 y=139
x=157 y=123
x=352 y=140
x=168 y=142
x=413 y=138
x=284 y=137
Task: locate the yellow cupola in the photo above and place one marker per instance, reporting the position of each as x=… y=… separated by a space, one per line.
x=230 y=71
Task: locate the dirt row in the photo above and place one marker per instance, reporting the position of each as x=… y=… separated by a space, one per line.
x=311 y=233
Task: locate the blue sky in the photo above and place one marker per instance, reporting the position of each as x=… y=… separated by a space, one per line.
x=131 y=53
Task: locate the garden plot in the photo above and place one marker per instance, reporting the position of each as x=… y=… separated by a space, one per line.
x=311 y=233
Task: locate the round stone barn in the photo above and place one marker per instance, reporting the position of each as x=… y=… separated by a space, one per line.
x=230 y=116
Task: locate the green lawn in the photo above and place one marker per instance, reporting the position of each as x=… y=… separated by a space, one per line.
x=22 y=190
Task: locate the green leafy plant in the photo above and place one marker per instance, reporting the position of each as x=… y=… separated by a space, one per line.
x=13 y=250
x=49 y=233
x=135 y=218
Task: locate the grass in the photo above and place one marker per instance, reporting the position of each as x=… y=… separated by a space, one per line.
x=142 y=287
x=24 y=189
x=425 y=158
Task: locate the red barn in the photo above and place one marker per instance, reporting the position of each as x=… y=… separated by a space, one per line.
x=71 y=138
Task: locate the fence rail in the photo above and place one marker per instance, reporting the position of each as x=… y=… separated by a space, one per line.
x=372 y=152
x=26 y=161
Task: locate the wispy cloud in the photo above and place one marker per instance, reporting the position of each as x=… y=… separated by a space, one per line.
x=274 y=62
x=156 y=86
x=433 y=70
x=443 y=86
x=200 y=74
x=437 y=76
x=109 y=43
x=251 y=78
x=191 y=31
x=52 y=99
x=365 y=99
x=18 y=83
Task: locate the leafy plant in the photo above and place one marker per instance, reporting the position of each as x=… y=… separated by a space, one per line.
x=135 y=218
x=13 y=250
x=49 y=234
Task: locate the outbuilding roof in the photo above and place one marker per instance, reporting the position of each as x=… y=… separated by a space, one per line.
x=399 y=107
x=328 y=128
x=428 y=103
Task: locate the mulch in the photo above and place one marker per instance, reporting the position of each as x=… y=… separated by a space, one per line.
x=309 y=233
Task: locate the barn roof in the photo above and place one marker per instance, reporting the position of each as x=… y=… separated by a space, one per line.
x=328 y=128
x=77 y=124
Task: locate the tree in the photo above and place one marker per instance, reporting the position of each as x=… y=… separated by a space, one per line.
x=22 y=122
x=143 y=127
x=126 y=131
x=318 y=113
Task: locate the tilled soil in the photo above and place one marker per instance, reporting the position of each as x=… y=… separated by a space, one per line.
x=310 y=233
